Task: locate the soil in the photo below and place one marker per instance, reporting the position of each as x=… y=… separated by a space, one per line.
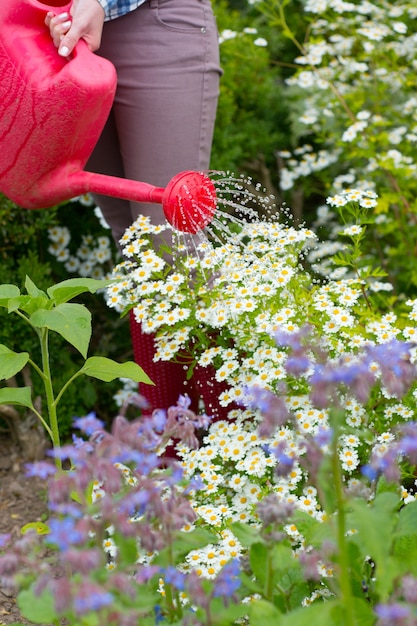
x=22 y=500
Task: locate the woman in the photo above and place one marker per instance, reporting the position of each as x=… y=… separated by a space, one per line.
x=167 y=61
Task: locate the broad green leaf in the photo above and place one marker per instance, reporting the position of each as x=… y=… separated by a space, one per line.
x=247 y=535
x=260 y=562
x=182 y=544
x=313 y=530
x=73 y=287
x=21 y=396
x=105 y=369
x=407 y=521
x=33 y=290
x=28 y=304
x=72 y=321
x=263 y=612
x=222 y=615
x=39 y=609
x=195 y=540
x=6 y=292
x=90 y=619
x=379 y=514
x=11 y=362
x=327 y=613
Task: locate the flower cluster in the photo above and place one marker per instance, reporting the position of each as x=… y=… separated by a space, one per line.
x=355 y=116
x=290 y=350
x=93 y=258
x=115 y=526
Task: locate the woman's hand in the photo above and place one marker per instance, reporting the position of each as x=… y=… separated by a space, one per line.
x=85 y=21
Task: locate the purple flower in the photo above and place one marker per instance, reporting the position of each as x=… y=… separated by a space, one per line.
x=159 y=420
x=40 y=469
x=71 y=509
x=79 y=442
x=292 y=340
x=9 y=565
x=91 y=598
x=369 y=472
x=390 y=613
x=272 y=510
x=323 y=437
x=285 y=462
x=64 y=533
x=297 y=364
x=228 y=581
x=75 y=453
x=143 y=462
x=272 y=407
x=134 y=503
x=4 y=539
x=174 y=577
x=83 y=561
x=159 y=616
x=88 y=424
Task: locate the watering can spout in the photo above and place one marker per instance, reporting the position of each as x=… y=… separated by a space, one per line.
x=52 y=112
x=189 y=200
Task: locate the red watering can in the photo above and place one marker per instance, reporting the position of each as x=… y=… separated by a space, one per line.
x=52 y=112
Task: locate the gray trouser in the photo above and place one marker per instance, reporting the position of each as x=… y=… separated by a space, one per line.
x=167 y=61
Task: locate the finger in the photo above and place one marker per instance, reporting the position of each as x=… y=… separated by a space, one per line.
x=67 y=44
x=52 y=20
x=58 y=25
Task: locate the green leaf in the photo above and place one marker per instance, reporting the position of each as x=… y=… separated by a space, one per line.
x=11 y=362
x=7 y=292
x=32 y=289
x=105 y=369
x=28 y=304
x=222 y=615
x=16 y=395
x=263 y=612
x=247 y=535
x=40 y=527
x=377 y=515
x=39 y=609
x=327 y=613
x=194 y=540
x=259 y=562
x=72 y=321
x=407 y=521
x=73 y=287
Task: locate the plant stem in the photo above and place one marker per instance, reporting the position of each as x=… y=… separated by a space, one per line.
x=345 y=583
x=49 y=392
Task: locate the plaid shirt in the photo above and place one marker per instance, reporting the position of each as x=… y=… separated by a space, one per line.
x=117 y=8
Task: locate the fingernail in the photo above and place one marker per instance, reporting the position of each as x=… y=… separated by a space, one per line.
x=63 y=16
x=66 y=24
x=64 y=51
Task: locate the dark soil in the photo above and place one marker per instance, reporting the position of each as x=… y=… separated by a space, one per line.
x=22 y=500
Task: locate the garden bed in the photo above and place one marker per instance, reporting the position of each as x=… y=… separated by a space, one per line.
x=22 y=500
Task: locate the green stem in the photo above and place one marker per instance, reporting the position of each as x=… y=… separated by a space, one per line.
x=345 y=582
x=65 y=387
x=49 y=392
x=269 y=583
